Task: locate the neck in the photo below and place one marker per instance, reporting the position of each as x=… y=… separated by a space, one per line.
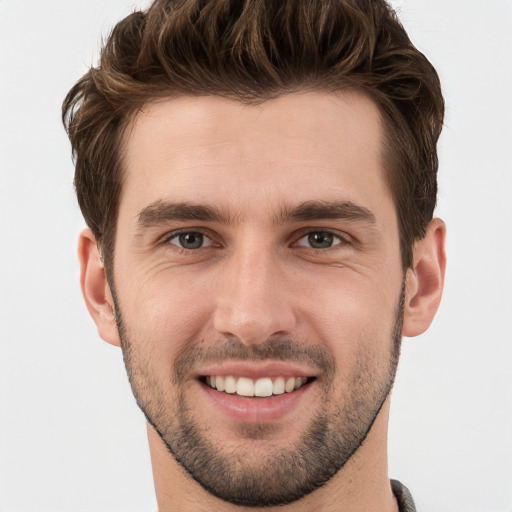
x=361 y=486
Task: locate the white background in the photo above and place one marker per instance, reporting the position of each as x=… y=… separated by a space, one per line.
x=71 y=437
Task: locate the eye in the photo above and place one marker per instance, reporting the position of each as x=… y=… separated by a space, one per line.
x=320 y=240
x=190 y=240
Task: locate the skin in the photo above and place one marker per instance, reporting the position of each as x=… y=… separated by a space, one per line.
x=257 y=280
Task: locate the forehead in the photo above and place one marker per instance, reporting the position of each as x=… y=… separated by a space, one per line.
x=295 y=148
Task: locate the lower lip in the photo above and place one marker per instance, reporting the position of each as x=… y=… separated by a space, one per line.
x=256 y=410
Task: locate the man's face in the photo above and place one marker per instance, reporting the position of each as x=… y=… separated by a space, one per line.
x=257 y=253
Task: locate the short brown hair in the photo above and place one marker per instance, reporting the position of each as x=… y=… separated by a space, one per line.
x=251 y=51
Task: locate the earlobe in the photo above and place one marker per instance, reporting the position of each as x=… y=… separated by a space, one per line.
x=425 y=280
x=95 y=288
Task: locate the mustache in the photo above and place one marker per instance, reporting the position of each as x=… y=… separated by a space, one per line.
x=276 y=349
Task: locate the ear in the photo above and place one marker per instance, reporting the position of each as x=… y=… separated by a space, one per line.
x=425 y=280
x=95 y=288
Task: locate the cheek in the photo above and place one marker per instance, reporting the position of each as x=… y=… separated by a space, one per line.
x=351 y=316
x=165 y=315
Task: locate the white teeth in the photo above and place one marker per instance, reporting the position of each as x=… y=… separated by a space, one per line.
x=220 y=383
x=263 y=387
x=279 y=386
x=289 y=385
x=230 y=385
x=245 y=387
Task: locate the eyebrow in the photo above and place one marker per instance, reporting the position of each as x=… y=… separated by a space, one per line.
x=161 y=212
x=336 y=210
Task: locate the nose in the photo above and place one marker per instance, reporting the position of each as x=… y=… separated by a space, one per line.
x=254 y=302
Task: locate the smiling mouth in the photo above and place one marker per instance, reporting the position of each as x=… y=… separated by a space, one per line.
x=262 y=387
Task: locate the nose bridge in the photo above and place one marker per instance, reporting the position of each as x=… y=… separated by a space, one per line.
x=253 y=302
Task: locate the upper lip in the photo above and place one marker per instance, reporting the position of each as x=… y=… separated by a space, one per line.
x=256 y=369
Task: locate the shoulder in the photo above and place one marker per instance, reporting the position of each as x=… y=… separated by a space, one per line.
x=403 y=497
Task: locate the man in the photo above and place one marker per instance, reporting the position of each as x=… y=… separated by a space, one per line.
x=259 y=180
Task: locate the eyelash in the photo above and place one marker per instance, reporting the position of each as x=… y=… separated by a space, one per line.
x=168 y=239
x=338 y=240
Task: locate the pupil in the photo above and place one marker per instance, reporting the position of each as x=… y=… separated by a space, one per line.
x=320 y=240
x=191 y=240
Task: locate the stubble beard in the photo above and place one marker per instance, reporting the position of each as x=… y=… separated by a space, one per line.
x=284 y=475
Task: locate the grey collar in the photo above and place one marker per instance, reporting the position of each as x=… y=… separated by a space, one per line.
x=403 y=497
